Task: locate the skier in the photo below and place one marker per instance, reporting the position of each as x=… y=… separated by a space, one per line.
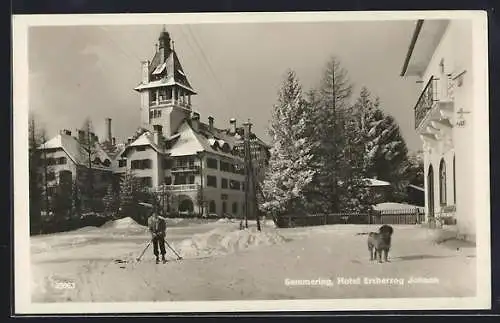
x=157 y=227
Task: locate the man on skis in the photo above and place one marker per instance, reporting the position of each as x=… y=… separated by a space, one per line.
x=157 y=227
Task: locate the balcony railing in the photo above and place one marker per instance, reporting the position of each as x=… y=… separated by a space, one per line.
x=169 y=102
x=185 y=168
x=426 y=101
x=435 y=90
x=176 y=188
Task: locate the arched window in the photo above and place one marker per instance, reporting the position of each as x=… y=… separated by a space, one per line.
x=211 y=207
x=442 y=182
x=454 y=183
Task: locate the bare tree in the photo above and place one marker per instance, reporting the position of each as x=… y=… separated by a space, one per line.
x=35 y=165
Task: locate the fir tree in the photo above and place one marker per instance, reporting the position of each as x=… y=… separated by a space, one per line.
x=328 y=106
x=35 y=186
x=290 y=168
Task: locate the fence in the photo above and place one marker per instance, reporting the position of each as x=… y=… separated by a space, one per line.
x=407 y=216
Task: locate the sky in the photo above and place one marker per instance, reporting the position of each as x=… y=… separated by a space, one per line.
x=77 y=72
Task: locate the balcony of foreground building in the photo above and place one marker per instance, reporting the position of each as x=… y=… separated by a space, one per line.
x=189 y=168
x=434 y=108
x=176 y=188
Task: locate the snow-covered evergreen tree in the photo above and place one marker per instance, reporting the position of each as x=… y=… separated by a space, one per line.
x=111 y=202
x=385 y=155
x=290 y=169
x=128 y=195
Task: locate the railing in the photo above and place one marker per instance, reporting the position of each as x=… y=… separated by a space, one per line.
x=426 y=101
x=185 y=168
x=409 y=216
x=169 y=101
x=180 y=187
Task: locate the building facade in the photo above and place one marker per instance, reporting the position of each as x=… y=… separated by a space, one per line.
x=440 y=59
x=195 y=167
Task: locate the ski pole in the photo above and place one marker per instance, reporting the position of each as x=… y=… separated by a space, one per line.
x=142 y=254
x=178 y=257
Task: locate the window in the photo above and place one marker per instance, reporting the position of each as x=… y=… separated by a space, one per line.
x=140 y=148
x=167 y=163
x=122 y=163
x=234 y=185
x=51 y=161
x=106 y=162
x=225 y=167
x=442 y=182
x=145 y=181
x=51 y=176
x=224 y=207
x=191 y=179
x=141 y=164
x=180 y=179
x=242 y=186
x=168 y=180
x=65 y=177
x=235 y=208
x=51 y=190
x=62 y=161
x=212 y=163
x=211 y=207
x=211 y=181
x=223 y=183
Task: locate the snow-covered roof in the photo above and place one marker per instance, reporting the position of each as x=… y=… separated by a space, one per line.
x=190 y=142
x=75 y=151
x=376 y=182
x=145 y=139
x=170 y=71
x=417 y=187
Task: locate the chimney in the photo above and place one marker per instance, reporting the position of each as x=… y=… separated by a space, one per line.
x=232 y=128
x=129 y=140
x=81 y=136
x=195 y=121
x=210 y=123
x=109 y=137
x=157 y=131
x=113 y=141
x=247 y=126
x=67 y=132
x=145 y=72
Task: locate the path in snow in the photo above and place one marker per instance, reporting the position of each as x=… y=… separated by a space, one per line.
x=259 y=272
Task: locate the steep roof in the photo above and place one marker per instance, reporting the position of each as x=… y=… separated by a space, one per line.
x=190 y=142
x=75 y=150
x=170 y=73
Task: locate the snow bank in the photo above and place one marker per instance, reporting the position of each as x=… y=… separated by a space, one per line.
x=222 y=241
x=124 y=224
x=227 y=220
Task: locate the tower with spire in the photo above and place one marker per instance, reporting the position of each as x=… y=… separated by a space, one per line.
x=165 y=90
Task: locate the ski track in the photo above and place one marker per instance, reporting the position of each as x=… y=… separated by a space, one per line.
x=326 y=252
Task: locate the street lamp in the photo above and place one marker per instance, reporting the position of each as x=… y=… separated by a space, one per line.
x=250 y=185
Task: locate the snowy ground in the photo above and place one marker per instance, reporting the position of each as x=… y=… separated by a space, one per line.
x=223 y=263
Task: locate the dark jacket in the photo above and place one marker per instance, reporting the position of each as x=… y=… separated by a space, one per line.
x=156 y=225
